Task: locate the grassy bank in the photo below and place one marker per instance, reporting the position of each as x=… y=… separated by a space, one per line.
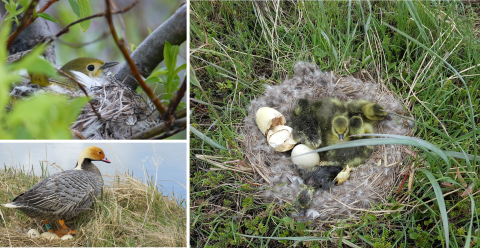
x=128 y=213
x=416 y=49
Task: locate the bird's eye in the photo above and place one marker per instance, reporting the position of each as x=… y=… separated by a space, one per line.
x=100 y=152
x=91 y=67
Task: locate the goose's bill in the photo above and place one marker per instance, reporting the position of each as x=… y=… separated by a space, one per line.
x=106 y=160
x=340 y=137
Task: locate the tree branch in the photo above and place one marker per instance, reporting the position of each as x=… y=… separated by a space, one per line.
x=150 y=52
x=161 y=128
x=120 y=43
x=23 y=23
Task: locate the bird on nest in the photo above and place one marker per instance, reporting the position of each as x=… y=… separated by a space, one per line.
x=64 y=195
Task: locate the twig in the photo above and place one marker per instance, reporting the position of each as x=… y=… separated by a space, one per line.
x=123 y=27
x=405 y=178
x=169 y=134
x=67 y=28
x=178 y=98
x=22 y=24
x=77 y=45
x=154 y=131
x=84 y=91
x=134 y=70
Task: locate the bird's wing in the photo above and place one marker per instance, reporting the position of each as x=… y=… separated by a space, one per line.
x=57 y=193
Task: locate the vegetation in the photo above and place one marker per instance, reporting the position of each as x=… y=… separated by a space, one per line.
x=426 y=52
x=127 y=213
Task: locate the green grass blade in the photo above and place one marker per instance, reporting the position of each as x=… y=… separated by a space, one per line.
x=470 y=102
x=440 y=201
x=206 y=138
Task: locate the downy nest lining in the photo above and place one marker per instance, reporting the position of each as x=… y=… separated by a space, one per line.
x=368 y=184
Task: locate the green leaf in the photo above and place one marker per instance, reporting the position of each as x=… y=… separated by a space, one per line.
x=152 y=80
x=84 y=10
x=193 y=78
x=45 y=116
x=32 y=62
x=75 y=7
x=170 y=57
x=182 y=67
x=206 y=139
x=48 y=17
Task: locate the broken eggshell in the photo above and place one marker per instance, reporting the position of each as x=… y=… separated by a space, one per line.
x=343 y=175
x=280 y=138
x=306 y=161
x=268 y=118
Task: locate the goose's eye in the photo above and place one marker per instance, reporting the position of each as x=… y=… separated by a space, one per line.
x=91 y=67
x=100 y=152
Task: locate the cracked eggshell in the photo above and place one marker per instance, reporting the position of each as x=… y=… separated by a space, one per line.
x=280 y=138
x=33 y=233
x=68 y=236
x=306 y=161
x=343 y=175
x=267 y=118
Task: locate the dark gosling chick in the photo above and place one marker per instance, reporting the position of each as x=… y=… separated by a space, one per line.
x=305 y=126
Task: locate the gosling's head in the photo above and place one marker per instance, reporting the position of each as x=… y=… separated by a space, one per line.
x=302 y=106
x=305 y=196
x=374 y=111
x=356 y=124
x=340 y=127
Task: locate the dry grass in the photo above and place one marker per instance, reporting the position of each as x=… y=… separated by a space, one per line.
x=129 y=213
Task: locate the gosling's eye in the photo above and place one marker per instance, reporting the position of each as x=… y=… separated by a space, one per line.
x=91 y=67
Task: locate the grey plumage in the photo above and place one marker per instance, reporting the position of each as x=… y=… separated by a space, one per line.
x=66 y=194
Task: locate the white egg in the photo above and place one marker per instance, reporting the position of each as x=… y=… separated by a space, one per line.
x=280 y=138
x=49 y=235
x=68 y=236
x=267 y=118
x=305 y=161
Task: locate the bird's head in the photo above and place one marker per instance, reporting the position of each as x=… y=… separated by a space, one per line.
x=91 y=67
x=302 y=106
x=91 y=153
x=374 y=111
x=340 y=127
x=356 y=124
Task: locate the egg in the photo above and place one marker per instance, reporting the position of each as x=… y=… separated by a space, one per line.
x=49 y=235
x=33 y=233
x=306 y=161
x=68 y=236
x=280 y=138
x=268 y=118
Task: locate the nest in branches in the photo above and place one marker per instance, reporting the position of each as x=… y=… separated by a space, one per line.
x=125 y=112
x=369 y=184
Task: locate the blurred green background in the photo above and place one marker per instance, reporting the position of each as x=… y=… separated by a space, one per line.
x=136 y=25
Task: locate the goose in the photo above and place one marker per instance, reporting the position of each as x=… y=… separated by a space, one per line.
x=64 y=195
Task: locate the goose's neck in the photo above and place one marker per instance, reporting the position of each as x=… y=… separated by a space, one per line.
x=87 y=165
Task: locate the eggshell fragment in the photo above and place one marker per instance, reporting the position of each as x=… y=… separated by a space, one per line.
x=268 y=118
x=343 y=175
x=280 y=138
x=33 y=233
x=306 y=161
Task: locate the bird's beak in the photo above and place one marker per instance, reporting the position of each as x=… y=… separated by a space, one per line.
x=340 y=137
x=106 y=160
x=108 y=65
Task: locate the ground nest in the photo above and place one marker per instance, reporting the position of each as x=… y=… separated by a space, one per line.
x=369 y=184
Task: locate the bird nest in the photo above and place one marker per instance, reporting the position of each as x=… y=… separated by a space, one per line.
x=369 y=184
x=125 y=113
